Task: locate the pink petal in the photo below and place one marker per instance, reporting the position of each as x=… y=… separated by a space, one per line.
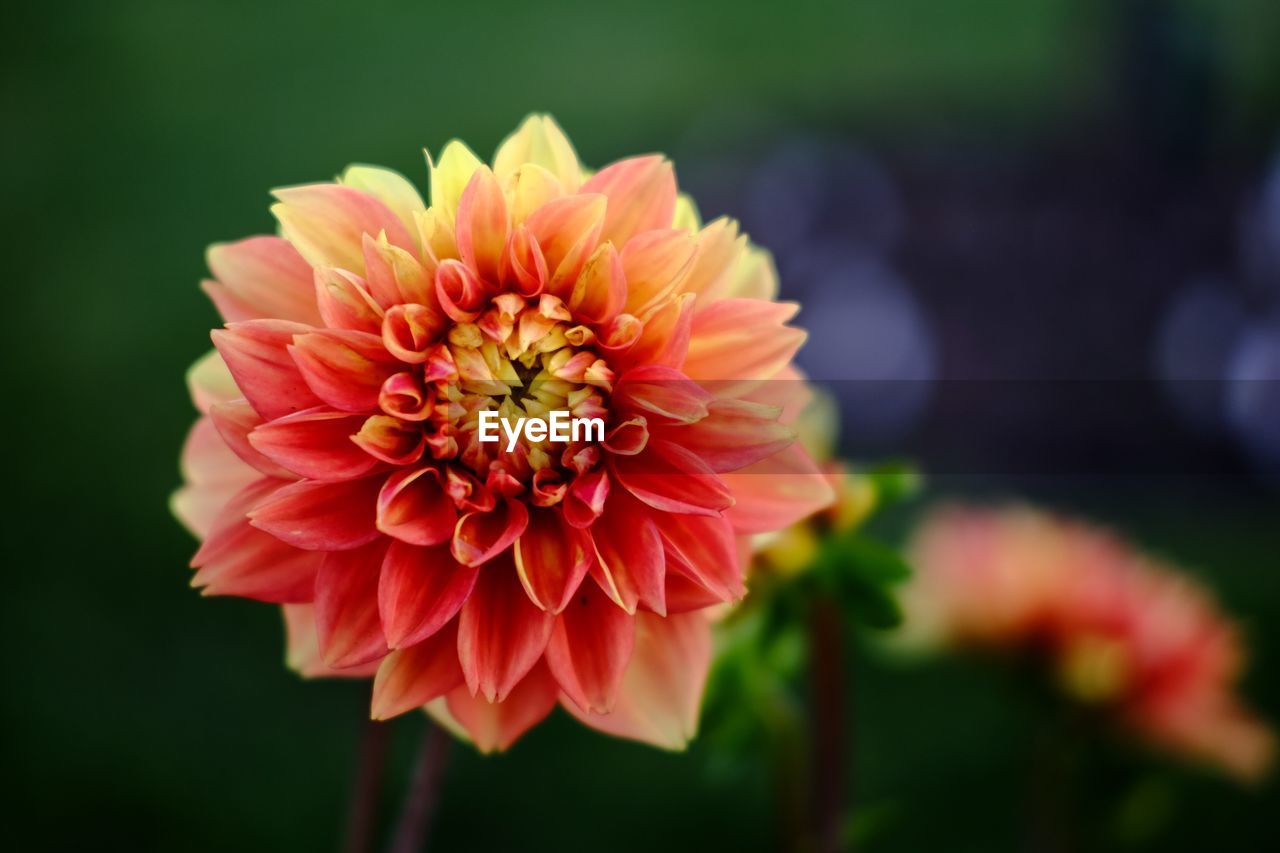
x=261 y=278
x=655 y=264
x=315 y=443
x=344 y=369
x=302 y=652
x=629 y=565
x=501 y=635
x=483 y=226
x=345 y=301
x=321 y=516
x=411 y=677
x=662 y=395
x=641 y=193
x=736 y=343
x=671 y=479
x=326 y=223
x=567 y=231
x=495 y=726
x=703 y=549
x=551 y=559
x=237 y=559
x=421 y=589
x=661 y=692
x=414 y=507
x=213 y=475
x=589 y=650
x=777 y=492
x=256 y=353
x=235 y=420
x=735 y=434
x=347 y=606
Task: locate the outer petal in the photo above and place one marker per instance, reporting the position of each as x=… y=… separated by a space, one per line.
x=501 y=635
x=213 y=474
x=411 y=677
x=551 y=559
x=495 y=726
x=389 y=187
x=321 y=516
x=735 y=433
x=344 y=369
x=314 y=443
x=326 y=223
x=347 y=606
x=235 y=420
x=661 y=692
x=302 y=645
x=261 y=278
x=421 y=589
x=655 y=264
x=671 y=479
x=738 y=342
x=540 y=141
x=703 y=549
x=256 y=352
x=641 y=193
x=777 y=492
x=240 y=560
x=209 y=382
x=590 y=648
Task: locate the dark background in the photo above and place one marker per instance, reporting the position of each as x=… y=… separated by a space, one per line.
x=978 y=202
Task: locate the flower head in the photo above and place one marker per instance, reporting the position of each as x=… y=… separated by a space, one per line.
x=341 y=468
x=1120 y=631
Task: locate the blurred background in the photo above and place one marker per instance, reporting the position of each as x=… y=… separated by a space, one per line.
x=1038 y=246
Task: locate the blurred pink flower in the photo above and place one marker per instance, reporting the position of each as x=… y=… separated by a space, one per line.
x=337 y=468
x=1119 y=630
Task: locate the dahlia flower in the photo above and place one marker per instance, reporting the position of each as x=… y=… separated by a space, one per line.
x=1120 y=631
x=338 y=469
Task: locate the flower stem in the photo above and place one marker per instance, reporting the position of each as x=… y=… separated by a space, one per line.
x=362 y=811
x=829 y=725
x=424 y=791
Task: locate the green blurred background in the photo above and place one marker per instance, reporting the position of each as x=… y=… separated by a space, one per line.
x=138 y=715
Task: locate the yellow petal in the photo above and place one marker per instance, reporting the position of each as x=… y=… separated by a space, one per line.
x=539 y=140
x=449 y=178
x=391 y=188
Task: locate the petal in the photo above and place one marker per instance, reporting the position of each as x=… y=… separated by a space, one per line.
x=655 y=264
x=661 y=691
x=411 y=677
x=347 y=606
x=664 y=338
x=703 y=549
x=481 y=536
x=321 y=516
x=568 y=231
x=389 y=187
x=629 y=563
x=315 y=443
x=601 y=289
x=261 y=278
x=209 y=382
x=345 y=301
x=483 y=226
x=256 y=352
x=589 y=650
x=551 y=559
x=585 y=500
x=641 y=193
x=719 y=248
x=741 y=339
x=733 y=435
x=495 y=726
x=661 y=395
x=237 y=559
x=391 y=440
x=501 y=633
x=410 y=332
x=529 y=188
x=777 y=492
x=539 y=140
x=344 y=369
x=235 y=420
x=414 y=507
x=326 y=223
x=394 y=275
x=213 y=475
x=449 y=178
x=302 y=646
x=421 y=589
x=671 y=479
